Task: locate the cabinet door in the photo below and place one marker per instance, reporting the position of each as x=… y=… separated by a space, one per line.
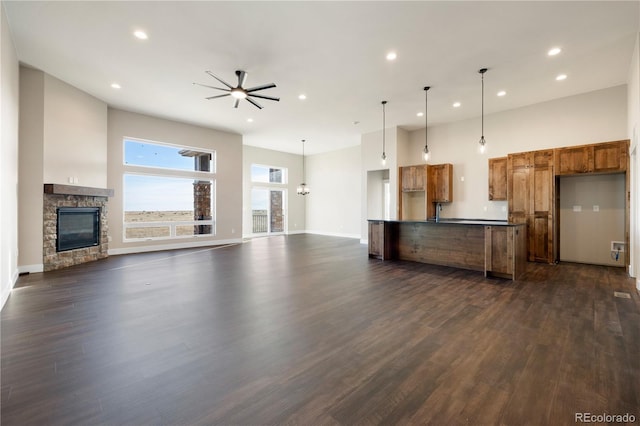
x=610 y=157
x=407 y=178
x=518 y=187
x=413 y=178
x=376 y=239
x=576 y=160
x=419 y=178
x=441 y=183
x=541 y=233
x=498 y=179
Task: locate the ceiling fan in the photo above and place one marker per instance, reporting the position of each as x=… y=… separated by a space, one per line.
x=240 y=92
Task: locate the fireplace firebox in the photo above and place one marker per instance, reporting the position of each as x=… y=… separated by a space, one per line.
x=77 y=227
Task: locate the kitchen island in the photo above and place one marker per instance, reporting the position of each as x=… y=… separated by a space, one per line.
x=496 y=248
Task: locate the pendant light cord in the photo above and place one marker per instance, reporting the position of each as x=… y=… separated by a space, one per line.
x=482 y=108
x=426 y=118
x=303 y=174
x=383 y=127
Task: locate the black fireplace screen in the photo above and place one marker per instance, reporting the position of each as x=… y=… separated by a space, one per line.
x=78 y=227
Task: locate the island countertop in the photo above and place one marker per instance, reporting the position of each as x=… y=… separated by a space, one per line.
x=454 y=221
x=494 y=247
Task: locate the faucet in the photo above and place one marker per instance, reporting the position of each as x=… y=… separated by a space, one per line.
x=438 y=210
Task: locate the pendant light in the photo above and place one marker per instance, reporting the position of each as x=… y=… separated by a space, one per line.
x=425 y=151
x=384 y=154
x=482 y=141
x=303 y=189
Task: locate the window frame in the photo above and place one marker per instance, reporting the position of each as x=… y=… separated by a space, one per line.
x=166 y=172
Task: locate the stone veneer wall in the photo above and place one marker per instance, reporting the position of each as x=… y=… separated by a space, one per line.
x=56 y=260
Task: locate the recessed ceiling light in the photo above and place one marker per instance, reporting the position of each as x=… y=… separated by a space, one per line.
x=554 y=51
x=140 y=35
x=116 y=86
x=391 y=56
x=502 y=93
x=456 y=104
x=250 y=120
x=302 y=96
x=561 y=77
x=420 y=114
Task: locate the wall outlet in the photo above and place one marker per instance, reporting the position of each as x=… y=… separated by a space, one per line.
x=461 y=178
x=617 y=246
x=504 y=208
x=577 y=208
x=596 y=208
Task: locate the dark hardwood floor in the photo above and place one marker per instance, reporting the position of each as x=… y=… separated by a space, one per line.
x=307 y=330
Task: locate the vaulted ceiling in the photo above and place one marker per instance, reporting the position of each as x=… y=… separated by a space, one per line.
x=333 y=52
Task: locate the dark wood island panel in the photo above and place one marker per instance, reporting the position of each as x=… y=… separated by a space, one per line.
x=495 y=248
x=459 y=246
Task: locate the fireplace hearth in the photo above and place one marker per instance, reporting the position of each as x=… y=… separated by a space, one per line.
x=75 y=225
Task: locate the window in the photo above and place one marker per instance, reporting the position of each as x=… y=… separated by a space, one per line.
x=169 y=191
x=266 y=174
x=268 y=199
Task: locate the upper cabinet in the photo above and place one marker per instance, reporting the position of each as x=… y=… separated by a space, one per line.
x=440 y=178
x=498 y=179
x=608 y=157
x=413 y=178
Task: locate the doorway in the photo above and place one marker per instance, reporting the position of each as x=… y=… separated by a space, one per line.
x=268 y=211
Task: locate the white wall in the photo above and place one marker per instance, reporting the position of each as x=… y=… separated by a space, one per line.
x=586 y=234
x=295 y=220
x=75 y=136
x=333 y=206
x=228 y=148
x=62 y=133
x=633 y=124
x=9 y=110
x=593 y=117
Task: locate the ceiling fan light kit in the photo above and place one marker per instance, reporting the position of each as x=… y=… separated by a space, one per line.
x=239 y=92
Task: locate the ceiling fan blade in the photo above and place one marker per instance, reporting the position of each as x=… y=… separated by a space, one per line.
x=235 y=104
x=211 y=87
x=254 y=103
x=264 y=86
x=219 y=79
x=242 y=77
x=218 y=96
x=265 y=97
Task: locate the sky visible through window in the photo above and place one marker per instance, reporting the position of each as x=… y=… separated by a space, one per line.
x=157 y=193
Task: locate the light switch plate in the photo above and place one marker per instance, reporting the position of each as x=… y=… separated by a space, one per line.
x=577 y=208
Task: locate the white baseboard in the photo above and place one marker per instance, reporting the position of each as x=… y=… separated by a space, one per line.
x=5 y=296
x=174 y=246
x=638 y=284
x=31 y=269
x=365 y=242
x=334 y=234
x=301 y=231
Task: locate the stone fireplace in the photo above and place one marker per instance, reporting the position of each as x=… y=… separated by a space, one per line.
x=76 y=197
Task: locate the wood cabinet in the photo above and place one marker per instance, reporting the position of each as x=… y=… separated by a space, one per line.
x=376 y=238
x=498 y=179
x=607 y=157
x=505 y=250
x=440 y=180
x=610 y=157
x=531 y=197
x=413 y=178
x=381 y=239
